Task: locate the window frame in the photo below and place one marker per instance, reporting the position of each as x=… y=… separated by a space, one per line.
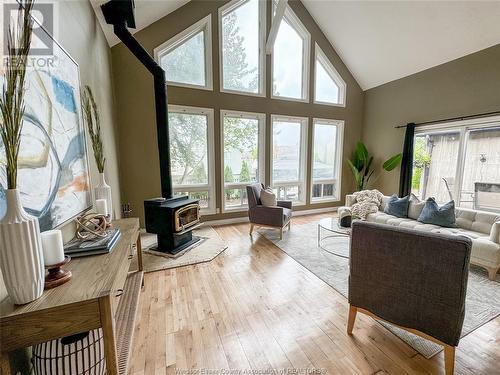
x=209 y=186
x=227 y=8
x=302 y=181
x=205 y=25
x=320 y=57
x=338 y=160
x=261 y=117
x=462 y=127
x=291 y=18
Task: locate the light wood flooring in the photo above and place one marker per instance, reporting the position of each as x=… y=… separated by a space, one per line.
x=256 y=308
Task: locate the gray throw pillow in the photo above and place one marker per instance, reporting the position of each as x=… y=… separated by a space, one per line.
x=267 y=197
x=415 y=208
x=397 y=206
x=443 y=216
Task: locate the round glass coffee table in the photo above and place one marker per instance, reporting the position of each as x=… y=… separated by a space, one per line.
x=328 y=229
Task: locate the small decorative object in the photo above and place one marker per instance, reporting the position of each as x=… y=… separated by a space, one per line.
x=345 y=218
x=91 y=115
x=101 y=208
x=83 y=351
x=21 y=256
x=362 y=162
x=90 y=226
x=53 y=248
x=57 y=276
x=126 y=210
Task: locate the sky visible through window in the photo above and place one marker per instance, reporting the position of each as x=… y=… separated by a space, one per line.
x=326 y=89
x=325 y=139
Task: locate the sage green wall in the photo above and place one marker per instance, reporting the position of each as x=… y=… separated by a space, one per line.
x=465 y=86
x=140 y=175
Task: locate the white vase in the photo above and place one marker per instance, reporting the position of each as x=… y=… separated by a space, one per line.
x=21 y=255
x=103 y=191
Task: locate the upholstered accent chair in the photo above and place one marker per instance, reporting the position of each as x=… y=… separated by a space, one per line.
x=412 y=279
x=267 y=216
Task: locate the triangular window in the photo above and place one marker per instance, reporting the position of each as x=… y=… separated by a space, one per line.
x=187 y=57
x=329 y=87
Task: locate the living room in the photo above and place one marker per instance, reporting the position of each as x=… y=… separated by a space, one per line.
x=250 y=186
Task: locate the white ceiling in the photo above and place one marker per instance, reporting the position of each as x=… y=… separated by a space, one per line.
x=379 y=41
x=146 y=12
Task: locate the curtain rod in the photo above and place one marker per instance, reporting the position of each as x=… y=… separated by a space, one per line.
x=479 y=115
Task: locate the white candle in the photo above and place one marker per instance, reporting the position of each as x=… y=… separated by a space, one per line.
x=101 y=206
x=52 y=245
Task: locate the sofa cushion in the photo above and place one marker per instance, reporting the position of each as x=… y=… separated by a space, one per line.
x=443 y=216
x=415 y=208
x=486 y=251
x=397 y=206
x=267 y=197
x=478 y=221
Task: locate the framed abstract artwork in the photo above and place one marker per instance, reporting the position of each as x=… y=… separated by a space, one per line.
x=53 y=168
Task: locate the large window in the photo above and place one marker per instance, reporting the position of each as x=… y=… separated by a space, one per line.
x=329 y=87
x=243 y=162
x=290 y=59
x=187 y=57
x=191 y=153
x=288 y=158
x=242 y=31
x=326 y=160
x=459 y=161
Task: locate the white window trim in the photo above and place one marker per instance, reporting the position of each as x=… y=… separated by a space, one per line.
x=209 y=112
x=320 y=57
x=261 y=117
x=338 y=160
x=303 y=155
x=204 y=25
x=232 y=5
x=461 y=126
x=294 y=21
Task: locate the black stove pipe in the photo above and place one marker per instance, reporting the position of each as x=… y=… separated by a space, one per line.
x=114 y=14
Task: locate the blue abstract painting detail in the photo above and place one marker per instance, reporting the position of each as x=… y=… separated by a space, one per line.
x=53 y=177
x=64 y=94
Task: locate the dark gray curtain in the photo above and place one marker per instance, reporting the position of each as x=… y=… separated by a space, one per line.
x=407 y=161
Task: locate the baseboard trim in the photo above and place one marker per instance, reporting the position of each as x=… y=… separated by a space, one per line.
x=244 y=219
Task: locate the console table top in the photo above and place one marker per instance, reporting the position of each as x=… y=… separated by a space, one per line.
x=93 y=276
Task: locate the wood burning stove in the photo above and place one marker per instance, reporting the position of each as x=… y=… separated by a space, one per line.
x=172 y=219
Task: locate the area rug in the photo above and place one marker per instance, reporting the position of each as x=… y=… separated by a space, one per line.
x=483 y=295
x=209 y=246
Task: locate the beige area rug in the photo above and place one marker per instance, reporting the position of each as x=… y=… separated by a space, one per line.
x=204 y=250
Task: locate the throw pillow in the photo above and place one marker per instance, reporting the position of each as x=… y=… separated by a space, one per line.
x=443 y=216
x=416 y=207
x=267 y=197
x=397 y=206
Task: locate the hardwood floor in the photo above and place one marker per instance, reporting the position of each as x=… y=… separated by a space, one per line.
x=255 y=308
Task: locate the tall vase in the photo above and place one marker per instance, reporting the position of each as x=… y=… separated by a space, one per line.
x=21 y=254
x=103 y=191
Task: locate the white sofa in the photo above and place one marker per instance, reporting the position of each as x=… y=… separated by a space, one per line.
x=482 y=227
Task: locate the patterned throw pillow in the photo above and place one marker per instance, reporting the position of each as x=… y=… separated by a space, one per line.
x=443 y=216
x=397 y=206
x=267 y=197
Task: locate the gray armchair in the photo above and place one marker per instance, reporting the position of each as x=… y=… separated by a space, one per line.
x=411 y=279
x=275 y=217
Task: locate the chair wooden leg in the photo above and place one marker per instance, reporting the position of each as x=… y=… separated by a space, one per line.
x=492 y=273
x=251 y=229
x=281 y=233
x=352 y=317
x=449 y=359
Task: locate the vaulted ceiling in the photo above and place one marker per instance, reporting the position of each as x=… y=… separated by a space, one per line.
x=380 y=41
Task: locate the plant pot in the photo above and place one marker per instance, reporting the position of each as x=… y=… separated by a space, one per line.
x=21 y=255
x=103 y=191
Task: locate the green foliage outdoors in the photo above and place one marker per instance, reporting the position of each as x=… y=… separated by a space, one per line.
x=421 y=160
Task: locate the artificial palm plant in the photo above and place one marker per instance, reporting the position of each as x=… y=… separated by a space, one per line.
x=361 y=165
x=12 y=99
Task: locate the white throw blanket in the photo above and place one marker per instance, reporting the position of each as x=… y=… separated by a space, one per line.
x=367 y=202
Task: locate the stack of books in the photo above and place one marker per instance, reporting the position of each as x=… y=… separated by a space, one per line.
x=100 y=245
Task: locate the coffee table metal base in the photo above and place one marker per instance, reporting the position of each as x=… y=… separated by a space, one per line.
x=333 y=230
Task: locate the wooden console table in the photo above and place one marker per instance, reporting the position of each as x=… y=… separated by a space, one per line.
x=101 y=294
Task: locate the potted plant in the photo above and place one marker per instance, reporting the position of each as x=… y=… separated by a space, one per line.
x=91 y=115
x=361 y=165
x=21 y=253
